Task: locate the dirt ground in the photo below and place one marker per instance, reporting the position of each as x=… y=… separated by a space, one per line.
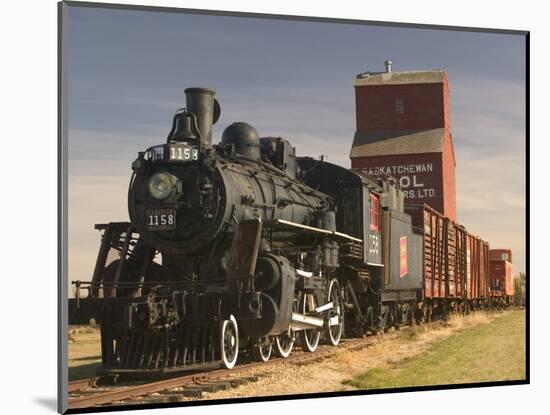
x=329 y=374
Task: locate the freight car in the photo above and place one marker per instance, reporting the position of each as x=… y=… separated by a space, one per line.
x=501 y=280
x=243 y=247
x=456 y=266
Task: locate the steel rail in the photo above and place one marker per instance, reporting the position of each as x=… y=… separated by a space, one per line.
x=125 y=392
x=80 y=384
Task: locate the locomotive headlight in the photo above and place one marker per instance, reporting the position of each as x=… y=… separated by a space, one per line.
x=161 y=185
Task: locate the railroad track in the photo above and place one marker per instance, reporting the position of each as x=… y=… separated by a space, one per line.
x=81 y=384
x=87 y=393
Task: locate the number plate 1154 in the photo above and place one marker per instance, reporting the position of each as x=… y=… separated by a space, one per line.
x=160 y=219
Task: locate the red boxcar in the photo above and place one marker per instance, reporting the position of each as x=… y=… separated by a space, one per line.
x=456 y=263
x=501 y=272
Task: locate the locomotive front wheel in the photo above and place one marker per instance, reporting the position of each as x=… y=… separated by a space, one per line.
x=283 y=345
x=229 y=342
x=335 y=318
x=309 y=338
x=261 y=351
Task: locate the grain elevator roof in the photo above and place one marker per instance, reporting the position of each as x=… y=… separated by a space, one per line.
x=367 y=144
x=405 y=77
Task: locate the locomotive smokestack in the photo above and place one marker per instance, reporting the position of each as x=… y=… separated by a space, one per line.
x=201 y=102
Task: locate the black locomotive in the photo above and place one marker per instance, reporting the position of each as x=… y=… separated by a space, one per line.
x=242 y=248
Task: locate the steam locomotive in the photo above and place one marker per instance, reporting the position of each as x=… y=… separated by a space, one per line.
x=243 y=248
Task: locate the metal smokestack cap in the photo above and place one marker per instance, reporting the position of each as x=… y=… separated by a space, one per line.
x=388 y=65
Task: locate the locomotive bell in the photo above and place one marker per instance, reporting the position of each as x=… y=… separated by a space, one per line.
x=244 y=138
x=184 y=127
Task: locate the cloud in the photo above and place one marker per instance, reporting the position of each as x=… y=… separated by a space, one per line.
x=488 y=115
x=87 y=146
x=488 y=126
x=97 y=194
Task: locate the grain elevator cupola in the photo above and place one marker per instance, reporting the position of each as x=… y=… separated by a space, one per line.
x=403 y=130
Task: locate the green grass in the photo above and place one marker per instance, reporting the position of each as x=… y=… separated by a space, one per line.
x=84 y=355
x=487 y=352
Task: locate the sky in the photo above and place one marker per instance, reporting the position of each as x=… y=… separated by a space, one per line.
x=127 y=71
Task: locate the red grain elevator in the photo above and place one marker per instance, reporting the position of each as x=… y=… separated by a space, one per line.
x=403 y=131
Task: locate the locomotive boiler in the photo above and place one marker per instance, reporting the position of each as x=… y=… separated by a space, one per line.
x=184 y=194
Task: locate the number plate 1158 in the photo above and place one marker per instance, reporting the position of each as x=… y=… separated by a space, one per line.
x=160 y=219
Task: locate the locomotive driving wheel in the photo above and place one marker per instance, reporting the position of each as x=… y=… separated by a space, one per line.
x=335 y=318
x=309 y=338
x=283 y=344
x=261 y=350
x=229 y=342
